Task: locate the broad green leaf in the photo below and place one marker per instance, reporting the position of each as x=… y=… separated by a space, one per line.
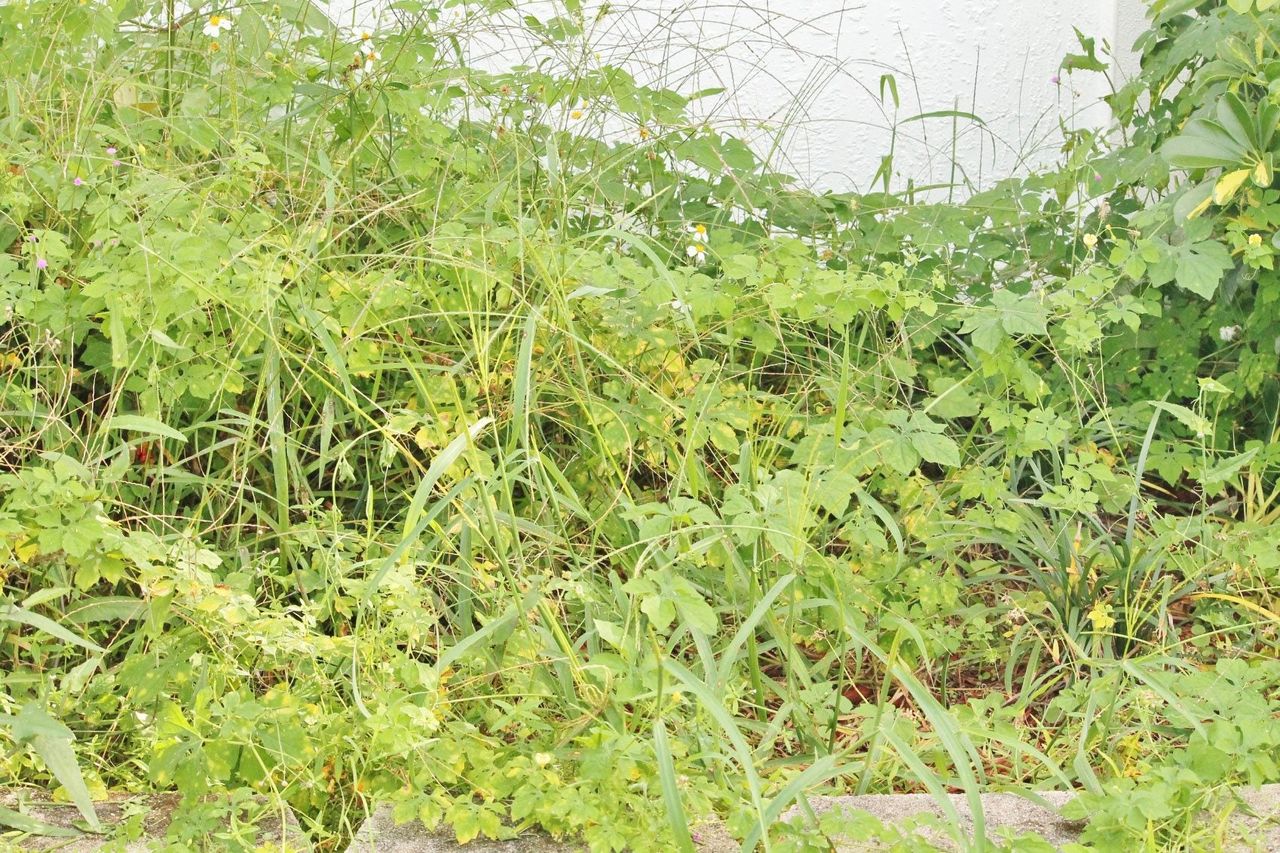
x=1204 y=144
x=1200 y=266
x=936 y=448
x=1021 y=315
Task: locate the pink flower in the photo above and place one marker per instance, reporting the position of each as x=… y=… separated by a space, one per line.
x=78 y=182
x=111 y=150
x=41 y=263
x=1055 y=79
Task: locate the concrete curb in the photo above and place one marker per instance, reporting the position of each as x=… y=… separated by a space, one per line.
x=1006 y=815
x=279 y=829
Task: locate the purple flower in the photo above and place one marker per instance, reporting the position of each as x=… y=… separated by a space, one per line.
x=78 y=182
x=1097 y=176
x=111 y=150
x=41 y=263
x=1055 y=79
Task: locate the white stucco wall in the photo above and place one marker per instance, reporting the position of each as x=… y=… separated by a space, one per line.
x=814 y=67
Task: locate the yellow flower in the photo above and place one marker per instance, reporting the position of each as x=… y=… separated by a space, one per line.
x=1100 y=616
x=1255 y=240
x=575 y=115
x=644 y=133
x=1089 y=240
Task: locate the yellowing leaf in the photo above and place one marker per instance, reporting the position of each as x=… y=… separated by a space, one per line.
x=1228 y=185
x=1262 y=172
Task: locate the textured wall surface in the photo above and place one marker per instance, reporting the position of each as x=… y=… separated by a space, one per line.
x=804 y=75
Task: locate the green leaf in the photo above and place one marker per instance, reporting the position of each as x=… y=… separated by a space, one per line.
x=833 y=489
x=1196 y=423
x=139 y=423
x=52 y=742
x=1021 y=315
x=1204 y=144
x=936 y=448
x=952 y=399
x=13 y=613
x=1087 y=61
x=1200 y=266
x=25 y=823
x=692 y=607
x=671 y=788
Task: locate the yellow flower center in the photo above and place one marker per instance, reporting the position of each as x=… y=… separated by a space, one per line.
x=215 y=21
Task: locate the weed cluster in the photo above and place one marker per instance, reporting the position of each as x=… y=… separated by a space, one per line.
x=510 y=446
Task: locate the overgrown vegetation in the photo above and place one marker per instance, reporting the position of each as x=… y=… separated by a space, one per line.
x=517 y=449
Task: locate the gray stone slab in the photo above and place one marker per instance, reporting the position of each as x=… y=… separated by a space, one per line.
x=1004 y=813
x=275 y=830
x=382 y=834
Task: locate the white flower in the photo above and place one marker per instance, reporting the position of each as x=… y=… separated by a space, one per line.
x=216 y=25
x=365 y=64
x=679 y=307
x=1228 y=333
x=697 y=252
x=698 y=230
